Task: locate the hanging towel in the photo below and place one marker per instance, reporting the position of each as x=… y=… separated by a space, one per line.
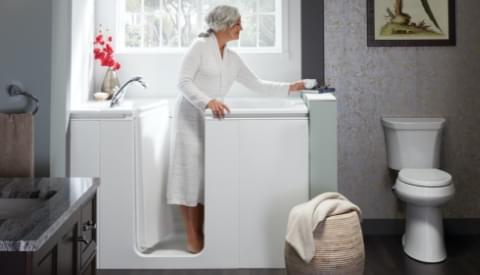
x=304 y=218
x=16 y=145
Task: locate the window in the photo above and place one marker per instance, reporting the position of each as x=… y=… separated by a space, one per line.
x=173 y=24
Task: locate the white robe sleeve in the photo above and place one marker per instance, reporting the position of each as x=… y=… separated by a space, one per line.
x=247 y=78
x=190 y=66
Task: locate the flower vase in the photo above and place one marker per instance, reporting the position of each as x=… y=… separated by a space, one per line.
x=110 y=82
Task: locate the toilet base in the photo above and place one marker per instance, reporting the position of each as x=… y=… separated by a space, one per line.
x=423 y=239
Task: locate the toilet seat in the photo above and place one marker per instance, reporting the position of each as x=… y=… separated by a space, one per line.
x=428 y=178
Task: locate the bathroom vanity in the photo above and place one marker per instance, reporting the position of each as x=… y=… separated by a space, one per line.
x=47 y=226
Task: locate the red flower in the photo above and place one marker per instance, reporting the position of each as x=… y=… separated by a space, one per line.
x=103 y=62
x=108 y=49
x=103 y=51
x=99 y=55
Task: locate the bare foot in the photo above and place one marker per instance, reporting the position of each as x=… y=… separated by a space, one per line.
x=194 y=243
x=193 y=220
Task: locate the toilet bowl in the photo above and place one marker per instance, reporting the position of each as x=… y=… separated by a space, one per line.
x=424 y=187
x=424 y=191
x=413 y=148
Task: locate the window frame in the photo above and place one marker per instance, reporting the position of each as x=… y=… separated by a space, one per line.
x=281 y=34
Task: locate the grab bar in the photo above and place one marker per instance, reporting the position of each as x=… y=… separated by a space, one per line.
x=16 y=88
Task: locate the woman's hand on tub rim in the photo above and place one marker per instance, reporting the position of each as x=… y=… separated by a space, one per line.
x=298 y=85
x=218 y=108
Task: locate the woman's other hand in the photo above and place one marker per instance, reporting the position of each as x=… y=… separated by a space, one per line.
x=218 y=108
x=296 y=86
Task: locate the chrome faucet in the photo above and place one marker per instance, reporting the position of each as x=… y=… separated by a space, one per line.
x=120 y=93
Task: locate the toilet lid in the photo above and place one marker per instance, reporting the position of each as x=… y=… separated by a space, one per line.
x=425 y=177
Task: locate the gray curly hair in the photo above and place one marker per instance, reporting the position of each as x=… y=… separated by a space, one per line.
x=220 y=18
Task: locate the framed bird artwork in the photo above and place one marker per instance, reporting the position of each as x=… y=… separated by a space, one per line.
x=410 y=23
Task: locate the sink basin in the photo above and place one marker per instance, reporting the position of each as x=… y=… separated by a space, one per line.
x=16 y=208
x=28 y=194
x=16 y=204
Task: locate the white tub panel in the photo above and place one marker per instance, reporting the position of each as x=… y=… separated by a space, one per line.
x=221 y=191
x=273 y=178
x=85 y=146
x=115 y=197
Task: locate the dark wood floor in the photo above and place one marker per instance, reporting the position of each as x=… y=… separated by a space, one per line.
x=384 y=256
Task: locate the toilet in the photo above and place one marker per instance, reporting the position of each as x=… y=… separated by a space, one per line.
x=413 y=149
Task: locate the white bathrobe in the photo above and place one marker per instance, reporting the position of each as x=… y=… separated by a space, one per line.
x=204 y=76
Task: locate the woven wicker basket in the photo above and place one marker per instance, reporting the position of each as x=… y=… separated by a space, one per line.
x=339 y=249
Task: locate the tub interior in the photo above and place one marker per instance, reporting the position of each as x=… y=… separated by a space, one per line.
x=263 y=103
x=264 y=107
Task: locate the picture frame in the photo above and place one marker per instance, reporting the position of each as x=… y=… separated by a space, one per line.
x=404 y=23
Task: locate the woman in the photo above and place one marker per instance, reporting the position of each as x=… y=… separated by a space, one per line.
x=208 y=71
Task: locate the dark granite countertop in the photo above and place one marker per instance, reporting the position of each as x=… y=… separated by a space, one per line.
x=33 y=209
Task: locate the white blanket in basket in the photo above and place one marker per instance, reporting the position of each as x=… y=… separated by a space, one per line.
x=304 y=218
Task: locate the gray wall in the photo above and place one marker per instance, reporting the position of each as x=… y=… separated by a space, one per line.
x=396 y=81
x=25 y=44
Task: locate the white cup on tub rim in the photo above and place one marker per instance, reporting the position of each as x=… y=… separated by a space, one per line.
x=310 y=83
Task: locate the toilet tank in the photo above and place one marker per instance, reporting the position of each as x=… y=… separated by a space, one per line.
x=413 y=142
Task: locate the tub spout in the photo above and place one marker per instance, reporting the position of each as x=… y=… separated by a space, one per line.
x=120 y=93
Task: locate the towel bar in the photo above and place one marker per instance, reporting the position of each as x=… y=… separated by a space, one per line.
x=16 y=88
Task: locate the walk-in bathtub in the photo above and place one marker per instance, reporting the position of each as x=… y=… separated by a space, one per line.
x=256 y=169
